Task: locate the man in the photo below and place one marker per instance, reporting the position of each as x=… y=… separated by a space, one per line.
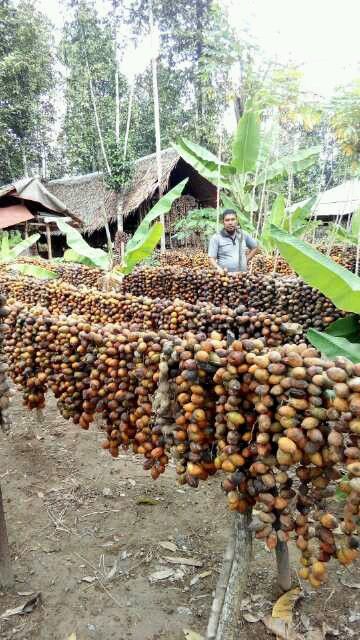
x=227 y=249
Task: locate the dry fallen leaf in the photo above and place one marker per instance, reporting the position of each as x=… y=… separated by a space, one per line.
x=27 y=607
x=191 y=562
x=199 y=576
x=192 y=635
x=251 y=617
x=72 y=637
x=350 y=583
x=170 y=546
x=165 y=574
x=88 y=579
x=281 y=629
x=284 y=606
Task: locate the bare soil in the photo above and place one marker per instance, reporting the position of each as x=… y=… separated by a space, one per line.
x=83 y=536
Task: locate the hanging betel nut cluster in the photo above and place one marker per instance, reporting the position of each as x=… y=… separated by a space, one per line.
x=4 y=385
x=280 y=425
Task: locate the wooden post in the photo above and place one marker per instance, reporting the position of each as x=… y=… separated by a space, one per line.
x=283 y=565
x=6 y=574
x=225 y=611
x=48 y=237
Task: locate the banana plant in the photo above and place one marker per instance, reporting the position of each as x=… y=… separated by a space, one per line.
x=139 y=247
x=347 y=236
x=337 y=283
x=9 y=254
x=251 y=164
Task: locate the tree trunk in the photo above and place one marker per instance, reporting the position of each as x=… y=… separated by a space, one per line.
x=224 y=622
x=25 y=164
x=6 y=574
x=199 y=51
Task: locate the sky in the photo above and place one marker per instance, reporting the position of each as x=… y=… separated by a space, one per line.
x=320 y=35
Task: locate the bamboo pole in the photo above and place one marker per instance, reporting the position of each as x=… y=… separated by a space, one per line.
x=6 y=573
x=157 y=120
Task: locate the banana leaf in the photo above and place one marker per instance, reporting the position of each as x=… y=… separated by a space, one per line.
x=143 y=249
x=276 y=217
x=355 y=224
x=306 y=229
x=19 y=248
x=71 y=256
x=207 y=169
x=300 y=216
x=76 y=242
x=337 y=283
x=162 y=206
x=34 y=271
x=348 y=328
x=333 y=346
x=342 y=235
x=295 y=163
x=246 y=142
x=5 y=246
x=207 y=156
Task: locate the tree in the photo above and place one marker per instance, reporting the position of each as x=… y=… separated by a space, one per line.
x=192 y=79
x=345 y=120
x=27 y=78
x=87 y=50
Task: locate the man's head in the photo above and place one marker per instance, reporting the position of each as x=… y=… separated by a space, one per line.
x=230 y=220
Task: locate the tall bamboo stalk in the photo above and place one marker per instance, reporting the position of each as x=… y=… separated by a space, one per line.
x=157 y=119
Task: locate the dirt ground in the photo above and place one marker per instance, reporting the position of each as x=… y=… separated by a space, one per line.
x=82 y=534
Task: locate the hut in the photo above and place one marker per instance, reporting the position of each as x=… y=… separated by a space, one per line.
x=27 y=205
x=335 y=205
x=88 y=197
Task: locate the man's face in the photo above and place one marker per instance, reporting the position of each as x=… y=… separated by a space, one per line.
x=230 y=223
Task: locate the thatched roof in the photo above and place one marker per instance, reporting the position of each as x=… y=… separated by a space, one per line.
x=88 y=197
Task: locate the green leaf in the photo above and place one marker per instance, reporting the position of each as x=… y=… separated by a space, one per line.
x=246 y=143
x=337 y=283
x=342 y=235
x=76 y=242
x=276 y=217
x=348 y=328
x=5 y=247
x=71 y=256
x=355 y=224
x=205 y=168
x=207 y=156
x=295 y=163
x=143 y=249
x=333 y=346
x=300 y=216
x=19 y=248
x=34 y=271
x=162 y=206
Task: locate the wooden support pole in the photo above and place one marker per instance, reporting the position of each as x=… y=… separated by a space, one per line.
x=48 y=237
x=6 y=574
x=283 y=565
x=225 y=614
